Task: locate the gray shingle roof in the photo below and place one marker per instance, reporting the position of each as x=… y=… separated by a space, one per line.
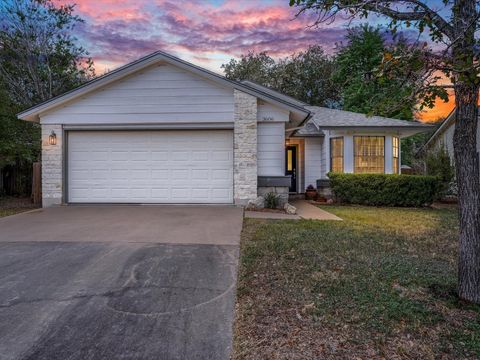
x=332 y=118
x=310 y=129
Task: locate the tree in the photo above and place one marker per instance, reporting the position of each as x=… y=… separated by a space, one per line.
x=438 y=163
x=19 y=140
x=38 y=60
x=361 y=89
x=305 y=75
x=459 y=61
x=38 y=55
x=257 y=67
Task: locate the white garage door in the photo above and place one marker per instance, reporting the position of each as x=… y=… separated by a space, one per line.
x=150 y=166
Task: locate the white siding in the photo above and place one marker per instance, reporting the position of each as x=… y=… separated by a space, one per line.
x=313 y=160
x=446 y=140
x=325 y=158
x=271 y=149
x=161 y=93
x=348 y=154
x=269 y=112
x=388 y=155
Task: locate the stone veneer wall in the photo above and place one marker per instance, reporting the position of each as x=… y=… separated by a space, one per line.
x=52 y=167
x=244 y=148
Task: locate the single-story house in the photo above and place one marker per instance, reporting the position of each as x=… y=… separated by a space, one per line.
x=162 y=130
x=443 y=137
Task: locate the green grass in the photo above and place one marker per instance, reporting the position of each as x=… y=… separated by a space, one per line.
x=381 y=283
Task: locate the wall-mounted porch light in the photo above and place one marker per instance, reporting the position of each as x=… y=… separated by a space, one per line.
x=52 y=139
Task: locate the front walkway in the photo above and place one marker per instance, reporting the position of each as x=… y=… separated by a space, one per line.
x=311 y=212
x=305 y=210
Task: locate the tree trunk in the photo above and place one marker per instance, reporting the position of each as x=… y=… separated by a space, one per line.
x=465 y=149
x=467 y=169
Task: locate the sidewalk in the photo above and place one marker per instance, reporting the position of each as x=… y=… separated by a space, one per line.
x=305 y=210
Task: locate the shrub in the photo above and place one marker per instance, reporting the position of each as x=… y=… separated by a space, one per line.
x=438 y=163
x=271 y=200
x=385 y=189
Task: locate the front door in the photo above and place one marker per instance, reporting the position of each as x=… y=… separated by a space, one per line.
x=291 y=166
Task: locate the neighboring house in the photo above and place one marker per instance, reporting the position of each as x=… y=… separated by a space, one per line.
x=162 y=130
x=443 y=137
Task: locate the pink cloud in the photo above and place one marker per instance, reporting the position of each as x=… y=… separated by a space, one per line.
x=117 y=32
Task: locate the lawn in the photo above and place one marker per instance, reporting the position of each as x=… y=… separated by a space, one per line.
x=380 y=284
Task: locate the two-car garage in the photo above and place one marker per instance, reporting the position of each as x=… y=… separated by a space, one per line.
x=162 y=166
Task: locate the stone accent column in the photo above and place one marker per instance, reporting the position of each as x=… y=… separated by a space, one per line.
x=52 y=167
x=244 y=148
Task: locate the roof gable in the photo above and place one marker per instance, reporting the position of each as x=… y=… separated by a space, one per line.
x=158 y=94
x=32 y=114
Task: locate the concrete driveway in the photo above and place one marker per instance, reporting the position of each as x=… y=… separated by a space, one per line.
x=111 y=282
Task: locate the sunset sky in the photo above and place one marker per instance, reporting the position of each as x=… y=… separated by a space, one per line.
x=206 y=32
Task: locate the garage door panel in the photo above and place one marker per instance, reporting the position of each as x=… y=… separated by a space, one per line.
x=150 y=166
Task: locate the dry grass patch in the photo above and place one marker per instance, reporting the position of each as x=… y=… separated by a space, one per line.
x=380 y=284
x=14 y=205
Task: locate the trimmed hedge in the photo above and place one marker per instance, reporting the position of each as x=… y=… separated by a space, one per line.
x=385 y=189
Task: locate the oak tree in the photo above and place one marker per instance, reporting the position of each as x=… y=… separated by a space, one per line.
x=453 y=30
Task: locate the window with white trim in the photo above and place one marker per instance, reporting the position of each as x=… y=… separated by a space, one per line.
x=336 y=155
x=369 y=154
x=396 y=154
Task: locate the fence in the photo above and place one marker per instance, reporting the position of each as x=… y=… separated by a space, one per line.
x=22 y=179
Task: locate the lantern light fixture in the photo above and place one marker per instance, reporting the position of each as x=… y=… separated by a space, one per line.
x=52 y=139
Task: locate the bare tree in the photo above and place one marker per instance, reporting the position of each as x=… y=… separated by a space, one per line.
x=452 y=26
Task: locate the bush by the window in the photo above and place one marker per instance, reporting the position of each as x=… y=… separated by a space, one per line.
x=438 y=163
x=385 y=189
x=271 y=200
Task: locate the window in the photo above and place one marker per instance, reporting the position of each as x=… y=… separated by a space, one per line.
x=289 y=160
x=396 y=154
x=336 y=155
x=369 y=153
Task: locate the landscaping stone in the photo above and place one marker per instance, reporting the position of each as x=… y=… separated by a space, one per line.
x=258 y=203
x=290 y=209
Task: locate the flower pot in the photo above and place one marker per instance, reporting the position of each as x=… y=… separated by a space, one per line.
x=311 y=194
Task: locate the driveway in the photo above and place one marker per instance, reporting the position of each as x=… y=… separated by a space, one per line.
x=111 y=282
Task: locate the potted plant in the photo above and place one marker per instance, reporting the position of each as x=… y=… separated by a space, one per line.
x=311 y=193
